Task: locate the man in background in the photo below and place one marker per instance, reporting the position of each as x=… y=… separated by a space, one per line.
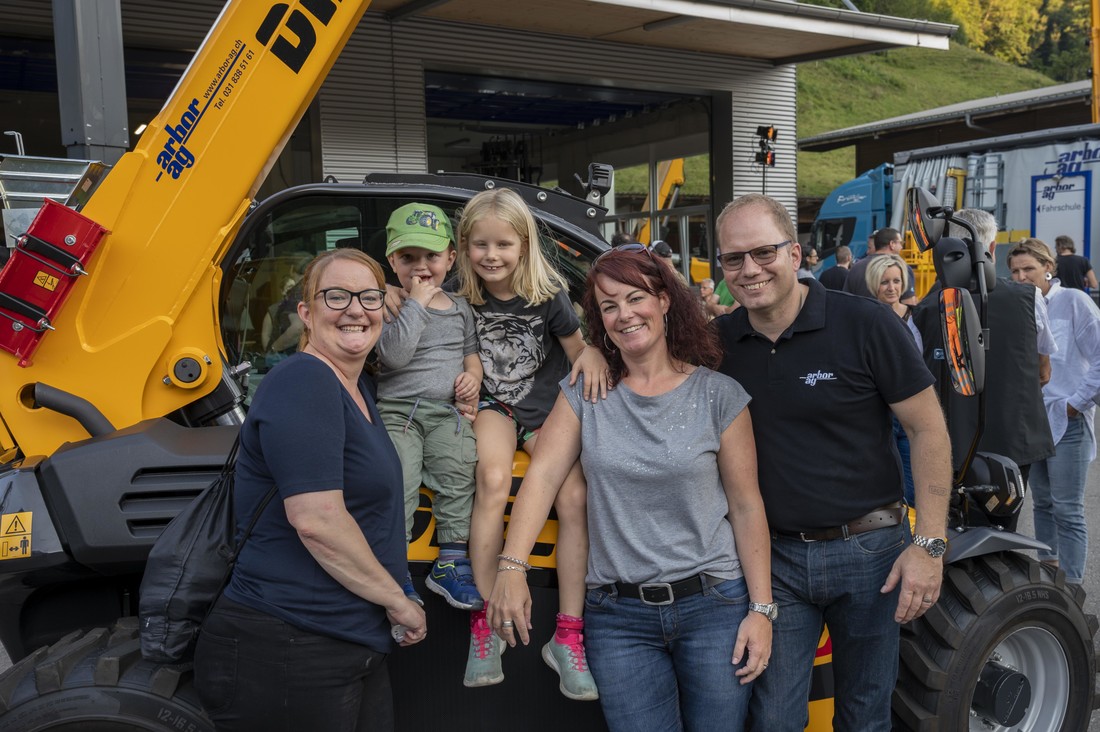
x=661 y=249
x=1073 y=269
x=835 y=277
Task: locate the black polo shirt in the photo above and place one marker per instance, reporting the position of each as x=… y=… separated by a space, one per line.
x=820 y=406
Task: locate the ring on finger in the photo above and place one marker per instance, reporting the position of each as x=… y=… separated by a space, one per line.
x=507 y=624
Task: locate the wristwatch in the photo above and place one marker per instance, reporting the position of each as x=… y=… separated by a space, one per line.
x=935 y=546
x=768 y=610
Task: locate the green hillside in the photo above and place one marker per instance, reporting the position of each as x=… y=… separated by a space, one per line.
x=854 y=90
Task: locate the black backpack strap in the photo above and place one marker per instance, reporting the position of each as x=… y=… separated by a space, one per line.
x=227 y=469
x=231 y=558
x=256 y=517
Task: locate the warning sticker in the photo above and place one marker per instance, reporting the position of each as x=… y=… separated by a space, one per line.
x=46 y=280
x=15 y=535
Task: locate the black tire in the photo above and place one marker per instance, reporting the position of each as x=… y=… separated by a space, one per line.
x=98 y=682
x=1007 y=608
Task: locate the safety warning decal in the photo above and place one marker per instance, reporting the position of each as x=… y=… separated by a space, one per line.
x=46 y=280
x=15 y=535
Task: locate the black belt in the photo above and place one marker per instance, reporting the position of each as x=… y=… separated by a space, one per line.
x=880 y=518
x=663 y=593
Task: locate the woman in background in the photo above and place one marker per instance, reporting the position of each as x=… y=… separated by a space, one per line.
x=1071 y=395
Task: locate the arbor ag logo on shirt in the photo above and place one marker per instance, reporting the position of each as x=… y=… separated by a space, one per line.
x=813 y=377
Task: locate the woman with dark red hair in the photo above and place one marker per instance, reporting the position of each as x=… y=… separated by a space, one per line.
x=679 y=607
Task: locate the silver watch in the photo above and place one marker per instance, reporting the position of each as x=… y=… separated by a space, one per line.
x=768 y=610
x=935 y=546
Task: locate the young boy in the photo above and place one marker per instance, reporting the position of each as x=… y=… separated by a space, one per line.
x=429 y=358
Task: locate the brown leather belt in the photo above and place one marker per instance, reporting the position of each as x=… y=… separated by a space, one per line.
x=880 y=518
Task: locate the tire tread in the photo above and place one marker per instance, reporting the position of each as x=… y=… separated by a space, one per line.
x=99 y=676
x=938 y=648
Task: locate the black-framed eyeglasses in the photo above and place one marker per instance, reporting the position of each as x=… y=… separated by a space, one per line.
x=631 y=247
x=733 y=261
x=338 y=298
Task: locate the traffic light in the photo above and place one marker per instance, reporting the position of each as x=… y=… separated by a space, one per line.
x=767 y=135
x=767 y=132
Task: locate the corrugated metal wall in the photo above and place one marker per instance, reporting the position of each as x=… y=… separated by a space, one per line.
x=369 y=123
x=762 y=98
x=372 y=104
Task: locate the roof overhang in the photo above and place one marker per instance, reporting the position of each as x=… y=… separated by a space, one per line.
x=777 y=31
x=968 y=112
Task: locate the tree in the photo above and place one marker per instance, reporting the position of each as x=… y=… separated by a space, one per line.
x=1063 y=51
x=1049 y=36
x=1005 y=29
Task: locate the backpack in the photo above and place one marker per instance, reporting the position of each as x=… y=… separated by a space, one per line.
x=188 y=567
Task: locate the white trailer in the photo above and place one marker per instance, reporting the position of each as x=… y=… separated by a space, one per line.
x=1039 y=184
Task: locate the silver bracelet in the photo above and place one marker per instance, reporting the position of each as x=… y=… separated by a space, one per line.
x=513 y=560
x=513 y=569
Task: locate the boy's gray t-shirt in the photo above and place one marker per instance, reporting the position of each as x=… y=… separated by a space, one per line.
x=657 y=510
x=420 y=353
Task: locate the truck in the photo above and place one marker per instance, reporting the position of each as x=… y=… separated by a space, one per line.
x=852 y=212
x=1036 y=184
x=132 y=338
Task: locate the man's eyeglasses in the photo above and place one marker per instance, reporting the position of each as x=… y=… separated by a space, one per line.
x=338 y=298
x=733 y=261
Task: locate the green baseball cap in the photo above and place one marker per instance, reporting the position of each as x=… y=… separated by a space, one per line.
x=418 y=225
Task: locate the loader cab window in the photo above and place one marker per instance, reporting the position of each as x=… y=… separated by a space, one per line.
x=260 y=289
x=259 y=317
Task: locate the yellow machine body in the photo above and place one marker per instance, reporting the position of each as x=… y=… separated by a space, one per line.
x=139 y=336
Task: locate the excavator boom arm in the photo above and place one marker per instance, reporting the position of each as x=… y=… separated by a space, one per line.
x=138 y=337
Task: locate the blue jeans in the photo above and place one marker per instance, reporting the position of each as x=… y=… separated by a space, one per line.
x=256 y=672
x=668 y=668
x=1058 y=494
x=836 y=583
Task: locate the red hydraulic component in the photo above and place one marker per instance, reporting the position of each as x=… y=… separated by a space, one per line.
x=40 y=275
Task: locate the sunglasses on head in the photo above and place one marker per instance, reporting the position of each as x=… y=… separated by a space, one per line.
x=631 y=247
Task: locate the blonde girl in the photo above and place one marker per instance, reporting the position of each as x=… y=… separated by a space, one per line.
x=528 y=335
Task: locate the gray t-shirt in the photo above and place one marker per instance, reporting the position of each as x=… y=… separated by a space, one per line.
x=420 y=353
x=657 y=510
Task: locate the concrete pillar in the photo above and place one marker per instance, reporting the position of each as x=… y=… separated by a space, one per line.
x=91 y=78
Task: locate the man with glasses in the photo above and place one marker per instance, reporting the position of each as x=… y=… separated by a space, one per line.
x=825 y=371
x=887 y=241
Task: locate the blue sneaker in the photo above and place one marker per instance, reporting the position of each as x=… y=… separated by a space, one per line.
x=410 y=590
x=454 y=580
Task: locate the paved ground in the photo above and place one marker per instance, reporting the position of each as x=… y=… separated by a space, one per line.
x=1092 y=569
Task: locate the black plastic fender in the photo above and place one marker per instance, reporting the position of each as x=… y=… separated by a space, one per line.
x=979 y=541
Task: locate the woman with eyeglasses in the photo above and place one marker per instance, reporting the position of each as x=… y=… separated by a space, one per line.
x=300 y=635
x=679 y=606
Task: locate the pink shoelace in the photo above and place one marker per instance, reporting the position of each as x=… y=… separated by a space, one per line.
x=575 y=643
x=482 y=634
